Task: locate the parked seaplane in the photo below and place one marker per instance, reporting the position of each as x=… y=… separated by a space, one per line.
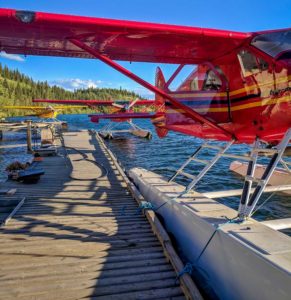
x=119 y=112
x=238 y=90
x=48 y=112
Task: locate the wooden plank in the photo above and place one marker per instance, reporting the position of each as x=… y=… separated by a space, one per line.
x=83 y=277
x=78 y=227
x=19 y=261
x=160 y=281
x=149 y=294
x=82 y=266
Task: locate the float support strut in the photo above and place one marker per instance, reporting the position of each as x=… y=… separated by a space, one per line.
x=251 y=202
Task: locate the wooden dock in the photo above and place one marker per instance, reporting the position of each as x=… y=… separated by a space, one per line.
x=79 y=235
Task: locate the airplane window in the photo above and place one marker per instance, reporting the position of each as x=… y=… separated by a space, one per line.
x=263 y=65
x=201 y=78
x=212 y=82
x=181 y=81
x=273 y=43
x=250 y=63
x=194 y=84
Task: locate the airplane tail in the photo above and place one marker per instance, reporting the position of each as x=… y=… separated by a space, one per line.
x=160 y=120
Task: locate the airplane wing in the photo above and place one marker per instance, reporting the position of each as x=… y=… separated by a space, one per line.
x=96 y=118
x=64 y=107
x=23 y=107
x=37 y=33
x=42 y=107
x=75 y=102
x=91 y=102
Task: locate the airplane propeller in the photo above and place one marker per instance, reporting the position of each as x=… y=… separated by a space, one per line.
x=125 y=107
x=133 y=103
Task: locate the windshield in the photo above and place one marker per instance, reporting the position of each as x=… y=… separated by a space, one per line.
x=273 y=43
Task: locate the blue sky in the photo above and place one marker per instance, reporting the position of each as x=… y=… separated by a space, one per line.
x=239 y=15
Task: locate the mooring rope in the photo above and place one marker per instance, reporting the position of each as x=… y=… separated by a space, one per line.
x=189 y=267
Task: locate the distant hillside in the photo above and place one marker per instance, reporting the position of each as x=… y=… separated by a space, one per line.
x=19 y=89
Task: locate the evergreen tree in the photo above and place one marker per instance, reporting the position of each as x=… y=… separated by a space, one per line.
x=19 y=89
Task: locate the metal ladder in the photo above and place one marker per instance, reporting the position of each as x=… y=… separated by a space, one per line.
x=248 y=202
x=208 y=164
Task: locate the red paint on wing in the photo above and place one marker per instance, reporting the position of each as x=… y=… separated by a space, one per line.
x=48 y=34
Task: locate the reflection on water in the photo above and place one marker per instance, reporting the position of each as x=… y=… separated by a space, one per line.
x=164 y=156
x=126 y=147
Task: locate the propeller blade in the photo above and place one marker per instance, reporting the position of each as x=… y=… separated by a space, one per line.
x=132 y=103
x=117 y=105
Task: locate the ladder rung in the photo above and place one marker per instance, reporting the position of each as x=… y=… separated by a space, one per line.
x=266 y=150
x=236 y=156
x=250 y=178
x=253 y=179
x=187 y=175
x=202 y=161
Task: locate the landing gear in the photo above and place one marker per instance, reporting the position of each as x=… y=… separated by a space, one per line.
x=247 y=202
x=112 y=127
x=208 y=163
x=249 y=198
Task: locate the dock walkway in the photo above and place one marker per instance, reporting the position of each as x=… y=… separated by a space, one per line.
x=78 y=236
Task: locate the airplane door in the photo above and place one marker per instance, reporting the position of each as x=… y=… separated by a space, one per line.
x=258 y=79
x=206 y=91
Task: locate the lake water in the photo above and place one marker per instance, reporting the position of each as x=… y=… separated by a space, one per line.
x=15 y=150
x=162 y=156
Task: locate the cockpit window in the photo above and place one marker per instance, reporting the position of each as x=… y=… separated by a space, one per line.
x=206 y=79
x=273 y=43
x=203 y=77
x=250 y=63
x=212 y=82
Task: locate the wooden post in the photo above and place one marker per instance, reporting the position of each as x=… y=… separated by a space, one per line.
x=64 y=126
x=28 y=137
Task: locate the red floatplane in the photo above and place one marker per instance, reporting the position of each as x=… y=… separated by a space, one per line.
x=238 y=90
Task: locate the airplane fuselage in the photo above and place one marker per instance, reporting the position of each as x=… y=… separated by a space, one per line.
x=246 y=92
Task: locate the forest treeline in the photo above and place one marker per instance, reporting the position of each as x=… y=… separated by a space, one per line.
x=19 y=89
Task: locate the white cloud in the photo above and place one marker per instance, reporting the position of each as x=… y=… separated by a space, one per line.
x=11 y=56
x=145 y=93
x=76 y=83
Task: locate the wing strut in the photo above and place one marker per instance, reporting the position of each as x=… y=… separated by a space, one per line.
x=187 y=111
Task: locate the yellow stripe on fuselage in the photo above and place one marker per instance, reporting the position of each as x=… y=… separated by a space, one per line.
x=284 y=79
x=195 y=94
x=237 y=107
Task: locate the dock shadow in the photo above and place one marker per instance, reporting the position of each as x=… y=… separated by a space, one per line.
x=83 y=239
